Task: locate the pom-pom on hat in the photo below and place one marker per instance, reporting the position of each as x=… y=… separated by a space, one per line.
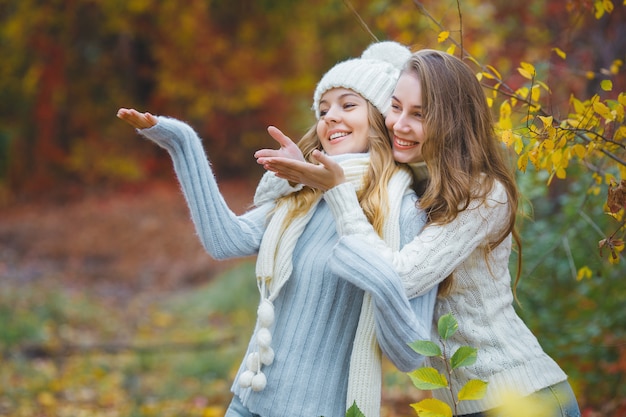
x=373 y=75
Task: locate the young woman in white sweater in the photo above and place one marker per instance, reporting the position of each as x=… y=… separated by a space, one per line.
x=439 y=115
x=315 y=349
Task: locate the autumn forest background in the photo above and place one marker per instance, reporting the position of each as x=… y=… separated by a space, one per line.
x=108 y=304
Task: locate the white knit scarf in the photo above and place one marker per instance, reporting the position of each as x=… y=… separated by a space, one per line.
x=365 y=379
x=274 y=267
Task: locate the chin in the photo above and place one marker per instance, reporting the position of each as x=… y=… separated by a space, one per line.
x=403 y=157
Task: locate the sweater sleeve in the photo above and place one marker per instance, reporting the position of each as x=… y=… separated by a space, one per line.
x=271 y=188
x=398 y=320
x=437 y=250
x=222 y=233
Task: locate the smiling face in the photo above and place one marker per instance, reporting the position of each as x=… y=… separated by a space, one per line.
x=343 y=126
x=405 y=119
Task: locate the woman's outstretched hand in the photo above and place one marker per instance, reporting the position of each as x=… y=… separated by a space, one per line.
x=136 y=119
x=288 y=149
x=288 y=163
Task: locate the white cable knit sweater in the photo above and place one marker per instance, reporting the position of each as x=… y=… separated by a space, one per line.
x=509 y=356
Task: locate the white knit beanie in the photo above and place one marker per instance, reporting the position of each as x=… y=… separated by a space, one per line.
x=373 y=75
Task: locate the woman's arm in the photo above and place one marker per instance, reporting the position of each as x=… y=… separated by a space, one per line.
x=398 y=320
x=436 y=251
x=222 y=233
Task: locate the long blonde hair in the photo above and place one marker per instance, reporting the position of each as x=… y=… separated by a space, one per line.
x=374 y=196
x=462 y=152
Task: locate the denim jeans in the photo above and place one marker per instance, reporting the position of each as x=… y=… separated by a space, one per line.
x=237 y=409
x=560 y=398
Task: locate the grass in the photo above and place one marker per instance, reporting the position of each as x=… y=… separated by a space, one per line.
x=70 y=353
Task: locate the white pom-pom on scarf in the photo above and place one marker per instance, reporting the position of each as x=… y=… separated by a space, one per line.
x=267 y=355
x=265 y=313
x=245 y=379
x=259 y=381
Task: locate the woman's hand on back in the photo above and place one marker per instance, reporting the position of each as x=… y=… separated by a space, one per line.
x=288 y=163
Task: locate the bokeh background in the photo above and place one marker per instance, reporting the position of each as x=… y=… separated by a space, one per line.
x=108 y=304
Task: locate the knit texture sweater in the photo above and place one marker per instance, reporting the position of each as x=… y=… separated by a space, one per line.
x=510 y=358
x=317 y=311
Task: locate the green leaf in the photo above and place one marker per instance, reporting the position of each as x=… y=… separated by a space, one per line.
x=447 y=326
x=473 y=389
x=354 y=411
x=426 y=348
x=464 y=356
x=428 y=378
x=432 y=407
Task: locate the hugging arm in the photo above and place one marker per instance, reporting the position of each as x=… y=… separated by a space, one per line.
x=434 y=253
x=399 y=321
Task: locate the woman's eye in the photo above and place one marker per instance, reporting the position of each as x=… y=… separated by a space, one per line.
x=348 y=105
x=323 y=112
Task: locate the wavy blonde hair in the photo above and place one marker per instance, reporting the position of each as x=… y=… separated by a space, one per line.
x=374 y=196
x=463 y=155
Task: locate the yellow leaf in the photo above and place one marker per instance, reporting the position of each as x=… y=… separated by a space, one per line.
x=622 y=98
x=474 y=389
x=528 y=67
x=488 y=75
x=584 y=272
x=525 y=73
x=606 y=85
x=514 y=405
x=489 y=102
x=519 y=145
x=213 y=411
x=479 y=76
x=507 y=137
x=505 y=122
x=443 y=36
x=579 y=150
x=559 y=52
x=603 y=110
x=548 y=144
x=496 y=88
x=544 y=85
x=573 y=122
x=561 y=173
x=522 y=92
x=590 y=75
x=547 y=120
x=495 y=71
x=599 y=10
x=432 y=407
x=535 y=93
x=522 y=162
x=428 y=378
x=451 y=49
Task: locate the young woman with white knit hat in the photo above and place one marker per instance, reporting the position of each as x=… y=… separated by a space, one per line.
x=316 y=348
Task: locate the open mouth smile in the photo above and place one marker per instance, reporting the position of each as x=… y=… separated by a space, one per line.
x=402 y=143
x=338 y=135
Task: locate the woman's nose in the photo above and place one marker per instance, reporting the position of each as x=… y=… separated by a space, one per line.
x=333 y=115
